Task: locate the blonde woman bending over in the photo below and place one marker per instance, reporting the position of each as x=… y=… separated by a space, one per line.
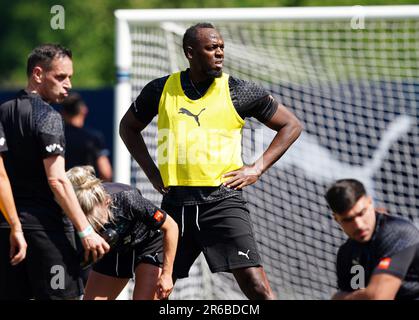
x=146 y=239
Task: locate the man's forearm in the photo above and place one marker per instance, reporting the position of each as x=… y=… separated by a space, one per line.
x=361 y=294
x=170 y=240
x=66 y=198
x=7 y=203
x=104 y=168
x=284 y=138
x=136 y=146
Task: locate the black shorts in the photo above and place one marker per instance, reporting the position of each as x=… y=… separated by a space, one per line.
x=221 y=230
x=122 y=264
x=51 y=269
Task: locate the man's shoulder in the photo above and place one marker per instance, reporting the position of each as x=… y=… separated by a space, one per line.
x=88 y=132
x=32 y=103
x=74 y=132
x=396 y=224
x=95 y=133
x=7 y=104
x=41 y=108
x=246 y=90
x=45 y=118
x=12 y=101
x=157 y=84
x=44 y=112
x=238 y=82
x=395 y=233
x=154 y=88
x=35 y=100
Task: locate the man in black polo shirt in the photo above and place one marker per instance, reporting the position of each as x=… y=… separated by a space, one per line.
x=84 y=146
x=35 y=165
x=380 y=260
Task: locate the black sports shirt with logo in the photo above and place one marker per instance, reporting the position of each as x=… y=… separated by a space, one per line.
x=34 y=131
x=393 y=249
x=249 y=100
x=135 y=218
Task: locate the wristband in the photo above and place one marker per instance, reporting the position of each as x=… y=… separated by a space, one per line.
x=86 y=232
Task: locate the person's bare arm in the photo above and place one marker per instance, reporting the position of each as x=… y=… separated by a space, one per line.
x=130 y=131
x=104 y=168
x=66 y=198
x=381 y=287
x=18 y=243
x=170 y=239
x=288 y=129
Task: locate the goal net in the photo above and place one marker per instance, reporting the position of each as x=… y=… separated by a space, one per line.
x=350 y=74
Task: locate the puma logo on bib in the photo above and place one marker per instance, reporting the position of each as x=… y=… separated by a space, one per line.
x=188 y=113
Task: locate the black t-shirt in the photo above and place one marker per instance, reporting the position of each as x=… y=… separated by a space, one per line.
x=34 y=131
x=83 y=147
x=3 y=142
x=135 y=218
x=249 y=100
x=393 y=249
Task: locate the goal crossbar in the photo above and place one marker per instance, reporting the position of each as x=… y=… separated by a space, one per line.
x=254 y=14
x=126 y=17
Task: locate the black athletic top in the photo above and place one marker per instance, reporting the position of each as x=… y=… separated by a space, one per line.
x=3 y=142
x=135 y=218
x=34 y=131
x=83 y=147
x=249 y=100
x=393 y=249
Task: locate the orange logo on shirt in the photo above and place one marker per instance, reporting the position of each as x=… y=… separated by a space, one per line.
x=384 y=263
x=158 y=216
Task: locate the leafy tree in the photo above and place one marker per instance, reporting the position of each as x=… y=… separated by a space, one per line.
x=90 y=31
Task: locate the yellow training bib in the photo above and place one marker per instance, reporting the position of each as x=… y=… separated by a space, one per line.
x=198 y=140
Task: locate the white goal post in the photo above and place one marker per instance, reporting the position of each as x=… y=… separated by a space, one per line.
x=124 y=17
x=350 y=74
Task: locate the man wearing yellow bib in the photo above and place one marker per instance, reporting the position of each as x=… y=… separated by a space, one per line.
x=200 y=172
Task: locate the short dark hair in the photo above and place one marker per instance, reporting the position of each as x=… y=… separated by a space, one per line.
x=191 y=34
x=344 y=194
x=72 y=104
x=44 y=54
